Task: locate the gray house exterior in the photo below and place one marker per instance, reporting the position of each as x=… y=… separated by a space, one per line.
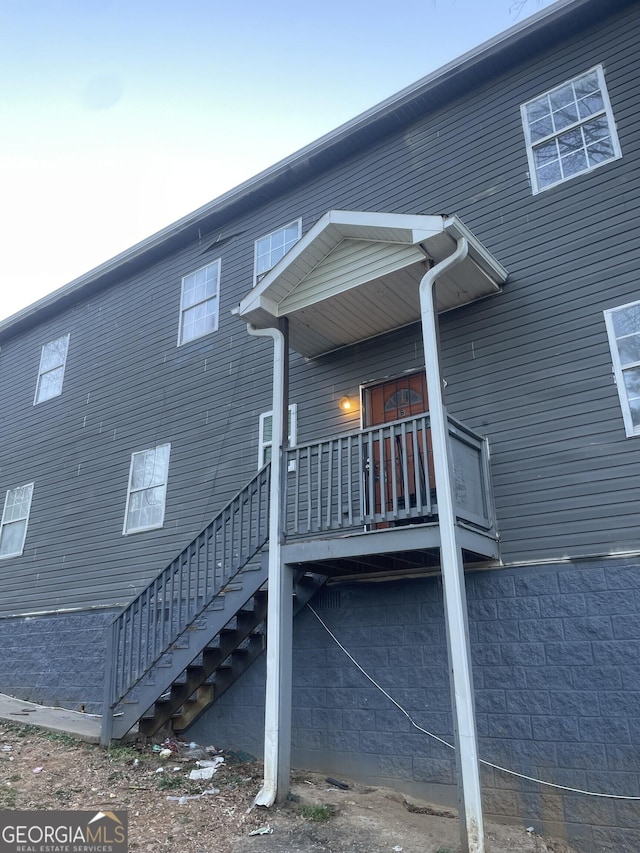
x=138 y=413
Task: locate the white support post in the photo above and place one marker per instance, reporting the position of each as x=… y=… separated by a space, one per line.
x=277 y=725
x=469 y=794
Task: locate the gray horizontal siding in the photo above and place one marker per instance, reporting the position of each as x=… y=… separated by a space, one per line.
x=530 y=368
x=127 y=387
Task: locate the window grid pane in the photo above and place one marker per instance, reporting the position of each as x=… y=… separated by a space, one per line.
x=54 y=354
x=632 y=383
x=273 y=247
x=623 y=328
x=635 y=414
x=50 y=384
x=199 y=303
x=51 y=371
x=17 y=504
x=147 y=489
x=15 y=518
x=629 y=349
x=11 y=538
x=266 y=433
x=626 y=320
x=569 y=130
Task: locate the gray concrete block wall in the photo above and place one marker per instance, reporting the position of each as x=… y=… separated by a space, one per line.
x=556 y=653
x=555 y=656
x=56 y=659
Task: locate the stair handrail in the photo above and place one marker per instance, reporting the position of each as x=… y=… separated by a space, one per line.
x=193 y=579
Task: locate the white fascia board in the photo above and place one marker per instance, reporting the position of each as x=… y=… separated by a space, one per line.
x=266 y=304
x=256 y=306
x=483 y=258
x=420 y=235
x=411 y=227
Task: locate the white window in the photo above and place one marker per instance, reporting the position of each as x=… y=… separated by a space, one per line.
x=272 y=247
x=199 y=303
x=147 y=489
x=265 y=438
x=623 y=328
x=51 y=373
x=569 y=130
x=15 y=517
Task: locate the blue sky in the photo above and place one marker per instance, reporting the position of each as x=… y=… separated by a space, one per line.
x=120 y=116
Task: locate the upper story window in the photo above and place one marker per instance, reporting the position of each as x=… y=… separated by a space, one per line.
x=569 y=130
x=272 y=247
x=51 y=373
x=15 y=517
x=623 y=328
x=199 y=303
x=265 y=438
x=146 y=496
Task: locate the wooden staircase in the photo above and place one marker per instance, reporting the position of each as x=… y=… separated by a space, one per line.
x=198 y=625
x=220 y=664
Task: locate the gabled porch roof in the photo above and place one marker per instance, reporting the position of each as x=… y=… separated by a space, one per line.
x=356 y=275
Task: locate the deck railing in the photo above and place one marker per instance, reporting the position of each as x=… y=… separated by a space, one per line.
x=365 y=480
x=151 y=624
x=383 y=476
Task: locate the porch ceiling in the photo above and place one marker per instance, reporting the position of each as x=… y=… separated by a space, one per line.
x=356 y=275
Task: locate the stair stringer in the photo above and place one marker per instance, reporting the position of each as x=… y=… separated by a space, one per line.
x=305 y=586
x=186 y=647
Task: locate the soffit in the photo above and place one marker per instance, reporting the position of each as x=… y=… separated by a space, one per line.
x=356 y=275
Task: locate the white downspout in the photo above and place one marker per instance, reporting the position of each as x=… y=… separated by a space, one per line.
x=471 y=823
x=277 y=727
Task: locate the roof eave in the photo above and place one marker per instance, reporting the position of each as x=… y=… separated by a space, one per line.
x=209 y=216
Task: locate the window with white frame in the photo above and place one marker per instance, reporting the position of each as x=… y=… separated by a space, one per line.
x=623 y=328
x=51 y=372
x=146 y=496
x=265 y=438
x=569 y=130
x=270 y=248
x=199 y=303
x=15 y=518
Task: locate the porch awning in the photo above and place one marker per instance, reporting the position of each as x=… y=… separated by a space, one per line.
x=356 y=275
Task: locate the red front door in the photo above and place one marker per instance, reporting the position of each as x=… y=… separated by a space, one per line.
x=385 y=403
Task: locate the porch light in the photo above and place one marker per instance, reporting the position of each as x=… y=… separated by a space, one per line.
x=346 y=404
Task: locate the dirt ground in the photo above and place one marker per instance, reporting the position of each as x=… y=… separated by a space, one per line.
x=168 y=811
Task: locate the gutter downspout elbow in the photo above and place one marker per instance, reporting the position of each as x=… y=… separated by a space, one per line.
x=438 y=417
x=429 y=279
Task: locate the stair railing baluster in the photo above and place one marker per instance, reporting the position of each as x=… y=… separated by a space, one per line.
x=350 y=474
x=140 y=668
x=207 y=562
x=310 y=451
x=393 y=463
x=132 y=621
x=416 y=465
x=223 y=544
x=296 y=493
x=339 y=476
x=152 y=621
x=233 y=518
x=329 y=483
x=150 y=624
